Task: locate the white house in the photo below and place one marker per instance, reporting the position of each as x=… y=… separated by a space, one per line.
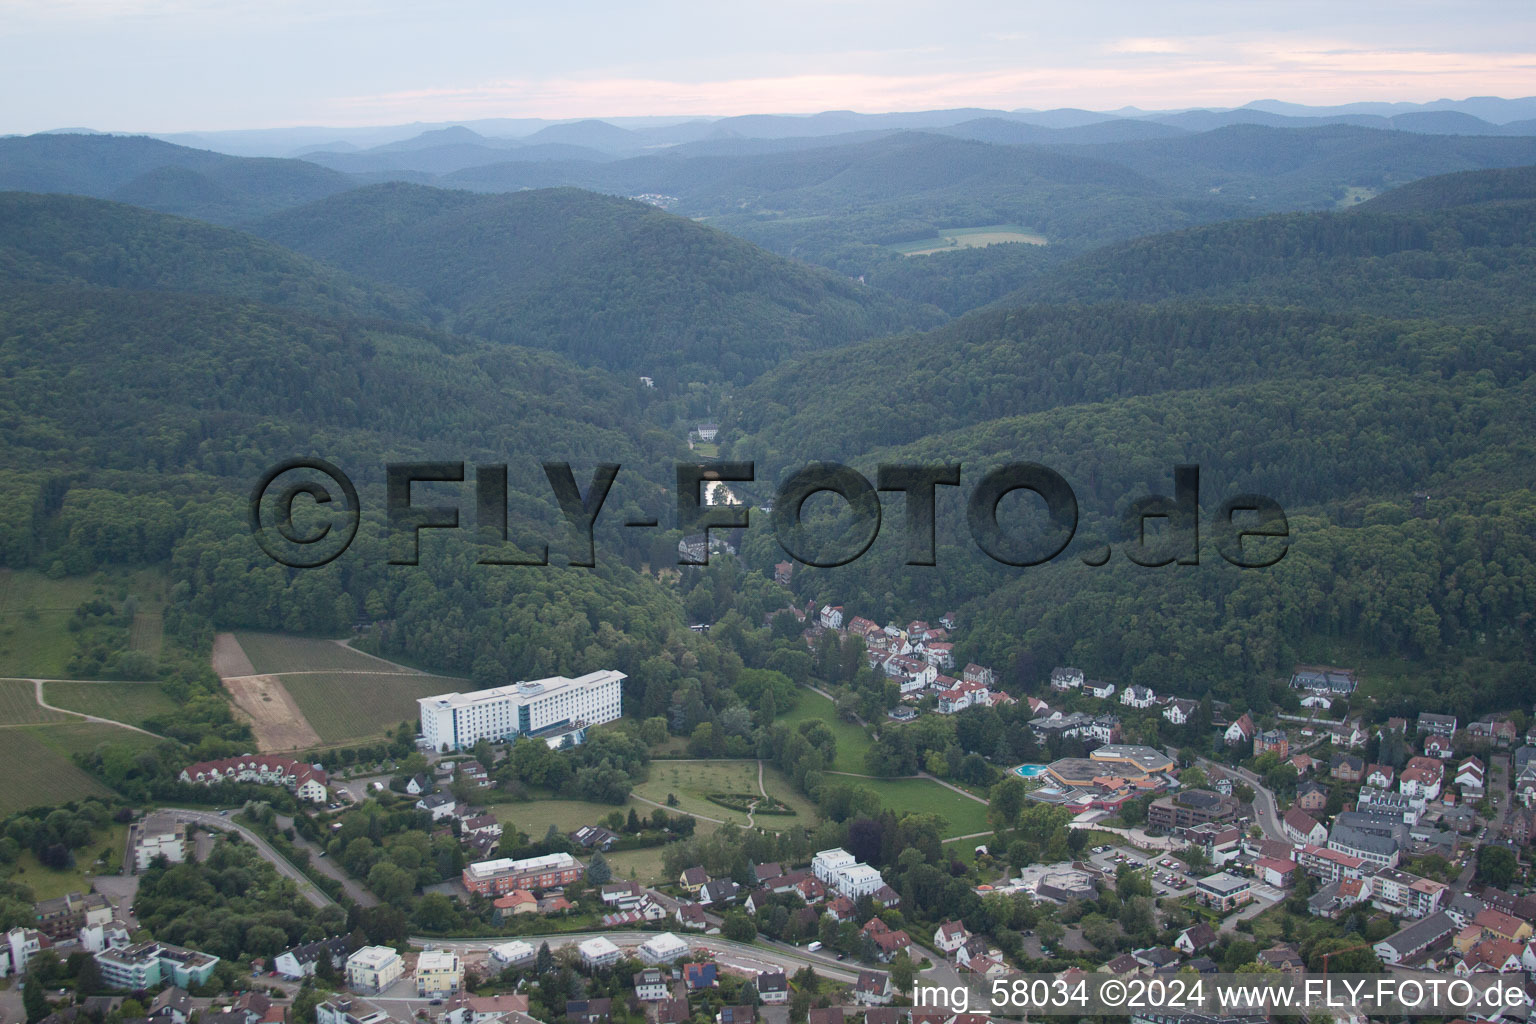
x=1066 y=678
x=1180 y=710
x=1101 y=690
x=832 y=616
x=950 y=936
x=374 y=968
x=661 y=949
x=598 y=952
x=1138 y=697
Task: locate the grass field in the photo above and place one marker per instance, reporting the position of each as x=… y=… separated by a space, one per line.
x=122 y=702
x=345 y=706
x=102 y=855
x=34 y=615
x=852 y=742
x=276 y=653
x=535 y=816
x=18 y=704
x=644 y=866
x=953 y=239
x=924 y=796
x=692 y=781
x=40 y=772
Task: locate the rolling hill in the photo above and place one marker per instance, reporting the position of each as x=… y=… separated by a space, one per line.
x=162 y=176
x=605 y=281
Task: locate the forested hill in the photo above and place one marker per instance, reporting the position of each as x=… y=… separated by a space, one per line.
x=161 y=176
x=608 y=282
x=71 y=240
x=1246 y=353
x=1510 y=184
x=1434 y=258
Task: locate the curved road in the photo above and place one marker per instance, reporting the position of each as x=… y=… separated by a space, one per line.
x=209 y=819
x=37 y=686
x=1265 y=810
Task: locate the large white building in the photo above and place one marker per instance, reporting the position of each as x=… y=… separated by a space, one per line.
x=839 y=871
x=557 y=708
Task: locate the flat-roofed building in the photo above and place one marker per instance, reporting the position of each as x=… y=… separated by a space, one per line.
x=557 y=708
x=374 y=968
x=1190 y=808
x=1224 y=891
x=497 y=877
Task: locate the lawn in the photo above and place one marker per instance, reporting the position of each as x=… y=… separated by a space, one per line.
x=535 y=816
x=103 y=855
x=346 y=706
x=692 y=781
x=924 y=796
x=34 y=616
x=953 y=239
x=18 y=704
x=852 y=741
x=644 y=866
x=133 y=703
x=276 y=653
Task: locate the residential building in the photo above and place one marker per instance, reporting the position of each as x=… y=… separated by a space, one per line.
x=598 y=952
x=1189 y=808
x=950 y=936
x=496 y=877
x=1311 y=797
x=1138 y=697
x=513 y=954
x=1223 y=891
x=1272 y=741
x=1347 y=767
x=1301 y=827
x=662 y=949
x=305 y=781
x=147 y=965
x=168 y=840
x=651 y=985
x=1437 y=725
x=1240 y=731
x=1324 y=679
x=557 y=709
x=873 y=988
x=772 y=987
x=439 y=973
x=374 y=968
x=1180 y=710
x=300 y=961
x=1411 y=942
x=1066 y=678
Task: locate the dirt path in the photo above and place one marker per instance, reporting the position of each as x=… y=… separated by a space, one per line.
x=275 y=719
x=395 y=666
x=37 y=687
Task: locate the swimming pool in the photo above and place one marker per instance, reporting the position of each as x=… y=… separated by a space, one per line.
x=1028 y=771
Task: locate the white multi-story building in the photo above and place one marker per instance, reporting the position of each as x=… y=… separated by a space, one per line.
x=827 y=863
x=557 y=707
x=838 y=869
x=374 y=968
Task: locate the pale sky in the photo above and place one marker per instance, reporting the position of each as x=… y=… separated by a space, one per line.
x=186 y=65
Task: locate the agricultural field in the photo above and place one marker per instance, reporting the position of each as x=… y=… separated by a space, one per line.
x=924 y=796
x=37 y=764
x=852 y=741
x=346 y=706
x=952 y=239
x=133 y=703
x=35 y=641
x=278 y=653
x=18 y=704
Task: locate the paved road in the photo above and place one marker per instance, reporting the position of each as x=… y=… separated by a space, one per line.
x=351 y=886
x=1265 y=810
x=208 y=819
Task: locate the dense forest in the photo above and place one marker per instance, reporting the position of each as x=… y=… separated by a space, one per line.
x=1340 y=363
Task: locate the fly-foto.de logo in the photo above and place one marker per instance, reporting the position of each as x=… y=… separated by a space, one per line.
x=1250 y=531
